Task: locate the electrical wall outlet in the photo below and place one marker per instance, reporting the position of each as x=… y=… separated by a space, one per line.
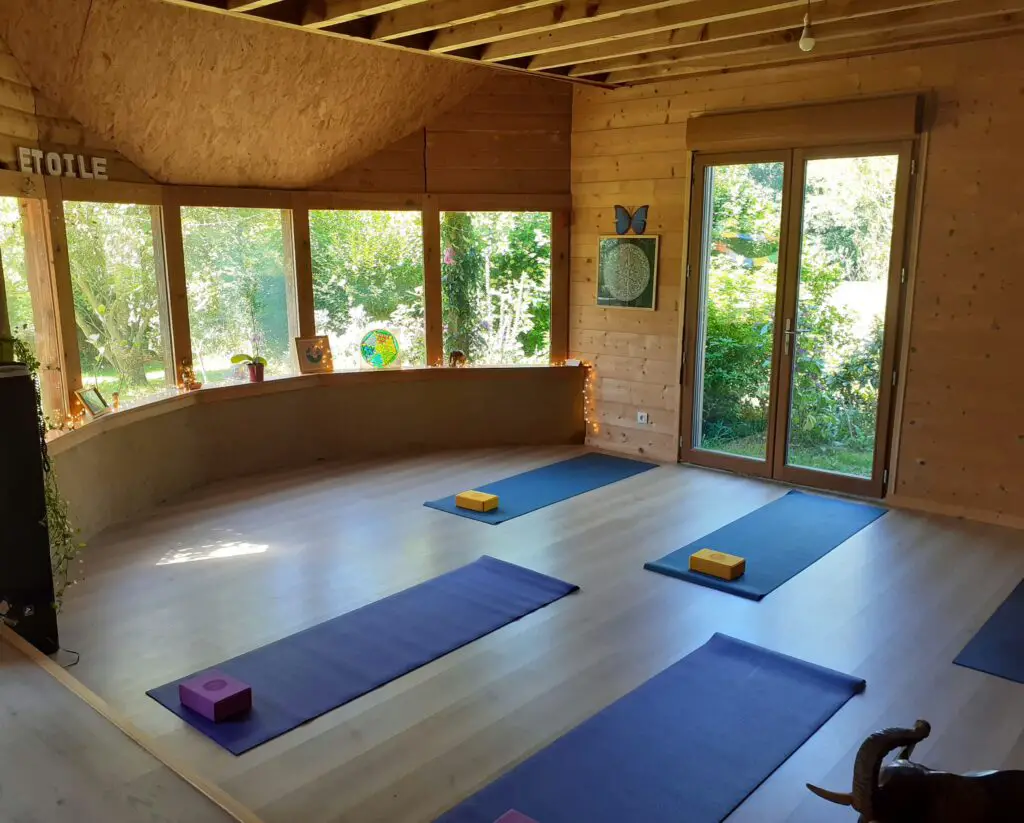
x=643 y=418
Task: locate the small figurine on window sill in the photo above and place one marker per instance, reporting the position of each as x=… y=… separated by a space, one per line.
x=188 y=380
x=457 y=359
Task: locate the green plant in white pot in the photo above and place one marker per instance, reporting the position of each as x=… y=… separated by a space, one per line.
x=254 y=363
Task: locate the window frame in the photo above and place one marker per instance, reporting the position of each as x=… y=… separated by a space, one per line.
x=46 y=242
x=291 y=241
x=129 y=194
x=384 y=205
x=558 y=284
x=37 y=228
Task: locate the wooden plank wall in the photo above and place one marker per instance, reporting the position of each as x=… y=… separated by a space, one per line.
x=29 y=119
x=961 y=439
x=511 y=135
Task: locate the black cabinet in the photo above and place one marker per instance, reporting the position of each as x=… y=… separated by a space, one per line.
x=25 y=578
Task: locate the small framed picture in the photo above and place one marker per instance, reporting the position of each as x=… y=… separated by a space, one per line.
x=627 y=271
x=93 y=401
x=314 y=354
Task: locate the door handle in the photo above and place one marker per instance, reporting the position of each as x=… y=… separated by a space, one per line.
x=790 y=333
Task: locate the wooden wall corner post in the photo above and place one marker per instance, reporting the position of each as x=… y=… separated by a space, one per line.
x=300 y=259
x=163 y=303
x=560 y=221
x=432 y=280
x=177 y=291
x=63 y=296
x=6 y=347
x=44 y=312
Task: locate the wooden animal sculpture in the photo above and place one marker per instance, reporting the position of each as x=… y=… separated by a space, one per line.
x=457 y=359
x=906 y=792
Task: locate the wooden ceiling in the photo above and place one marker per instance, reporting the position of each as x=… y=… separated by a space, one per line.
x=622 y=42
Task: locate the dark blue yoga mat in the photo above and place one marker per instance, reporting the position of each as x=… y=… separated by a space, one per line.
x=532 y=490
x=998 y=647
x=688 y=745
x=778 y=541
x=298 y=678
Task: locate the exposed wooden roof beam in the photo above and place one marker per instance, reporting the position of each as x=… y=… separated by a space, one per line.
x=692 y=13
x=564 y=14
x=442 y=13
x=249 y=5
x=335 y=12
x=582 y=58
x=923 y=13
x=876 y=41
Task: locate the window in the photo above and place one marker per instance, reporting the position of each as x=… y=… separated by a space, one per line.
x=120 y=307
x=30 y=296
x=496 y=286
x=368 y=273
x=12 y=253
x=238 y=298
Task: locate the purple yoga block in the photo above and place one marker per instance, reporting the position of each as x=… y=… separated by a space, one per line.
x=512 y=816
x=215 y=695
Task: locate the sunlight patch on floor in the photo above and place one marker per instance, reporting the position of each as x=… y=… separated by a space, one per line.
x=212 y=551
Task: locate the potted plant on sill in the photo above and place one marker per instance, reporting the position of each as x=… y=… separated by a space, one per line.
x=254 y=362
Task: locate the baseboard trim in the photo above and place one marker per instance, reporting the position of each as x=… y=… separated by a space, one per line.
x=898 y=501
x=212 y=792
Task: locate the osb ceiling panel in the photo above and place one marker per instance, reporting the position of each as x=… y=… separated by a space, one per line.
x=210 y=99
x=624 y=42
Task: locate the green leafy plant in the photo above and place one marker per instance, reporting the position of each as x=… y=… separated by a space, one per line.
x=249 y=359
x=65 y=541
x=847 y=228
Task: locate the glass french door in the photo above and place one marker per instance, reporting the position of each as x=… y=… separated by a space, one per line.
x=794 y=290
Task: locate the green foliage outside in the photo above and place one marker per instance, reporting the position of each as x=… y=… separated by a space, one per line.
x=495 y=283
x=117 y=310
x=237 y=302
x=12 y=250
x=844 y=267
x=496 y=286
x=368 y=273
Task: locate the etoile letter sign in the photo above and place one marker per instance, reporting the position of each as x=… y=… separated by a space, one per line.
x=56 y=164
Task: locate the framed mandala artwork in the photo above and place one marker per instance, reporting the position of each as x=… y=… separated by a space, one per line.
x=627 y=271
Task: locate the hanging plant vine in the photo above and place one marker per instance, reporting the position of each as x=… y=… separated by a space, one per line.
x=65 y=544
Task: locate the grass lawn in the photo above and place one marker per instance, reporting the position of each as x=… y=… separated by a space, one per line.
x=838 y=457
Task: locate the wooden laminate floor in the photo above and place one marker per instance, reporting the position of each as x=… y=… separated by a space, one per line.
x=64 y=763
x=235 y=567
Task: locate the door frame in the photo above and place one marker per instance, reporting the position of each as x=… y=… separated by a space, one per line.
x=693 y=327
x=787 y=292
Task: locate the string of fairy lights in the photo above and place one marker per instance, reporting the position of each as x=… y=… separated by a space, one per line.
x=187 y=383
x=589 y=404
x=590 y=421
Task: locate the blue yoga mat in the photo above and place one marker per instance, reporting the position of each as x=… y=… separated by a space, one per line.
x=532 y=490
x=299 y=678
x=998 y=647
x=778 y=541
x=688 y=745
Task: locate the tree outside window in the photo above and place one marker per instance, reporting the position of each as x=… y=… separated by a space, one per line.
x=368 y=273
x=12 y=250
x=122 y=340
x=496 y=286
x=237 y=295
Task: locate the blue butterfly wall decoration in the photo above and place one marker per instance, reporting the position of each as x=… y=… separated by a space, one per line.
x=624 y=221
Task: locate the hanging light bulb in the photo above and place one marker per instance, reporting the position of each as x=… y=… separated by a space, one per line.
x=807 y=40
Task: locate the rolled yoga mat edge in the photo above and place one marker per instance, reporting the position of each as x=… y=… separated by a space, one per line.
x=691 y=743
x=997 y=648
x=779 y=540
x=539 y=488
x=302 y=676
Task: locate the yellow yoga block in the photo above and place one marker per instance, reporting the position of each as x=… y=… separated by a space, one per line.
x=717 y=564
x=477 y=501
